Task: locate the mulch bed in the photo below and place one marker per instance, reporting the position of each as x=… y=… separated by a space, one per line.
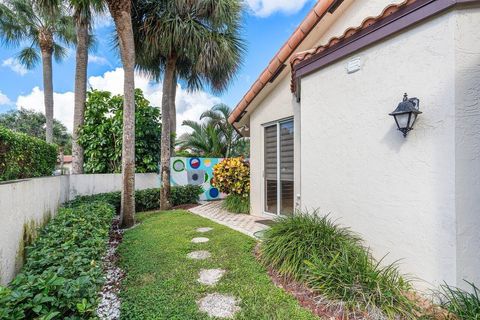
x=186 y=206
x=319 y=305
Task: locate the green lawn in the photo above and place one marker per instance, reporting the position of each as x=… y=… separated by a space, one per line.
x=161 y=283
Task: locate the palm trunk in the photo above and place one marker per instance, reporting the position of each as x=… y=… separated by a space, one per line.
x=173 y=108
x=121 y=13
x=80 y=94
x=48 y=93
x=168 y=82
x=173 y=114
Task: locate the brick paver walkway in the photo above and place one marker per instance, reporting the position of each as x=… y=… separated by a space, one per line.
x=243 y=223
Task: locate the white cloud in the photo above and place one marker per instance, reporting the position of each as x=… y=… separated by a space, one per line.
x=15 y=66
x=98 y=60
x=4 y=99
x=190 y=105
x=63 y=105
x=264 y=8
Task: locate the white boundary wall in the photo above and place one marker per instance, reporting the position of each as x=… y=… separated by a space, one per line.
x=31 y=202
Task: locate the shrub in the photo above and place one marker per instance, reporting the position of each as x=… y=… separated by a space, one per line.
x=232 y=176
x=237 y=204
x=62 y=273
x=185 y=194
x=101 y=134
x=331 y=260
x=463 y=304
x=23 y=156
x=145 y=200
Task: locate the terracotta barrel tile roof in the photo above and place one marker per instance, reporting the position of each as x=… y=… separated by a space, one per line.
x=282 y=55
x=367 y=22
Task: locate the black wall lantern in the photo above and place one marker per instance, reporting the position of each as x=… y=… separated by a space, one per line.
x=406 y=114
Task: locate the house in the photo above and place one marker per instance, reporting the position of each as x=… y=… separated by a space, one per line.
x=64 y=164
x=322 y=137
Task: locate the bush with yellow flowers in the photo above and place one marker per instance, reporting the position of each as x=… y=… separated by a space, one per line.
x=232 y=176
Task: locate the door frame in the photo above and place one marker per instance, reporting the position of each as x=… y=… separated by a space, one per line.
x=279 y=191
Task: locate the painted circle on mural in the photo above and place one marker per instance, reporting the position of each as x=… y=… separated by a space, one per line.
x=178 y=165
x=207 y=163
x=195 y=177
x=195 y=163
x=206 y=177
x=213 y=192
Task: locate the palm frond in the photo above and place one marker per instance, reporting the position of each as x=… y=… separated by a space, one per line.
x=28 y=57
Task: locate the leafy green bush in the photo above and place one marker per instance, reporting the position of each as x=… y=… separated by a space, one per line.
x=463 y=304
x=145 y=200
x=23 y=156
x=235 y=203
x=185 y=194
x=332 y=260
x=101 y=134
x=62 y=273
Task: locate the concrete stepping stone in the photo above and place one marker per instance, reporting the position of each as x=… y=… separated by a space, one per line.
x=219 y=305
x=200 y=240
x=199 y=255
x=203 y=230
x=210 y=277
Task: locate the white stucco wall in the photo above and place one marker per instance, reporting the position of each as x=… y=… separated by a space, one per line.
x=31 y=202
x=467 y=142
x=401 y=195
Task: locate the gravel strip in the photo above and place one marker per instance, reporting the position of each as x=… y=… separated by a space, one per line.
x=109 y=306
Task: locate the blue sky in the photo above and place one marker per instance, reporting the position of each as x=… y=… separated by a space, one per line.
x=267 y=24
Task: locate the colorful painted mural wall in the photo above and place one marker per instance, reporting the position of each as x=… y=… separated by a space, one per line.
x=196 y=171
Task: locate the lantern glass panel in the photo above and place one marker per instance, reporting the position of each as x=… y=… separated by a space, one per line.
x=414 y=118
x=402 y=120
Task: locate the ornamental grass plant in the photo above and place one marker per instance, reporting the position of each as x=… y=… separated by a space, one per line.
x=332 y=260
x=463 y=304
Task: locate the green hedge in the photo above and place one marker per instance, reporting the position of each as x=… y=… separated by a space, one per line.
x=145 y=200
x=23 y=156
x=63 y=273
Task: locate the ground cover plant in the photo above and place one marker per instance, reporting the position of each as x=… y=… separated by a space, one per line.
x=23 y=156
x=463 y=304
x=62 y=273
x=332 y=261
x=161 y=283
x=145 y=200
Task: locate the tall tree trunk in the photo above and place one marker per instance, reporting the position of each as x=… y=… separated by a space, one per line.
x=48 y=93
x=80 y=94
x=168 y=82
x=173 y=108
x=121 y=13
x=173 y=114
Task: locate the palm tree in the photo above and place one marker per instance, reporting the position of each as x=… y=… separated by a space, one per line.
x=204 y=140
x=44 y=32
x=218 y=117
x=215 y=137
x=82 y=14
x=121 y=14
x=194 y=40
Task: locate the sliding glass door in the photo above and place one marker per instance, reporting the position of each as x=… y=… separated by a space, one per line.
x=279 y=168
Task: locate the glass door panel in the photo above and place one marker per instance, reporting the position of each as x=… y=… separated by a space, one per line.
x=286 y=168
x=271 y=170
